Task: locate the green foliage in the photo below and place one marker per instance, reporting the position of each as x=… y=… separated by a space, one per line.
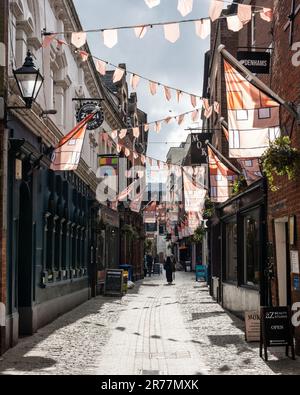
x=281 y=160
x=199 y=234
x=239 y=185
x=209 y=209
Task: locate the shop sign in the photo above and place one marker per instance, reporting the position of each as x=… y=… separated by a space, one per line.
x=252 y=320
x=199 y=152
x=86 y=110
x=114 y=282
x=276 y=329
x=256 y=62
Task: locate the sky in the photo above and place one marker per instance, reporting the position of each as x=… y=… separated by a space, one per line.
x=179 y=65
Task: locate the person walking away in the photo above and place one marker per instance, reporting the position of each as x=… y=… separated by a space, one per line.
x=149 y=264
x=145 y=266
x=173 y=259
x=169 y=270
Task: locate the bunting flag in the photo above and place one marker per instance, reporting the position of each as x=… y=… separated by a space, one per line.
x=66 y=156
x=185 y=7
x=153 y=87
x=234 y=23
x=100 y=66
x=84 y=55
x=215 y=9
x=118 y=75
x=140 y=31
x=203 y=28
x=253 y=117
x=134 y=81
x=244 y=13
x=110 y=38
x=152 y=3
x=221 y=178
x=78 y=39
x=172 y=32
x=267 y=14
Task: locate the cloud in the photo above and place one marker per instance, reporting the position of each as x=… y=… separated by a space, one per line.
x=179 y=65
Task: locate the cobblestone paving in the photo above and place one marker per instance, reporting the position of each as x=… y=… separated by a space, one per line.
x=220 y=338
x=155 y=329
x=68 y=346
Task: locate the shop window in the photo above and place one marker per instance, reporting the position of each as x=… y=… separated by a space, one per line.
x=251 y=248
x=231 y=252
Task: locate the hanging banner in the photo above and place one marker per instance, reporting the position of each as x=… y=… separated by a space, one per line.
x=253 y=117
x=221 y=179
x=193 y=185
x=66 y=156
x=199 y=154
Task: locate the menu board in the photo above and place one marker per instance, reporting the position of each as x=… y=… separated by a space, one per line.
x=276 y=329
x=113 y=282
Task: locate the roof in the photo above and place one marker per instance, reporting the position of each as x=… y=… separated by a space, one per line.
x=107 y=80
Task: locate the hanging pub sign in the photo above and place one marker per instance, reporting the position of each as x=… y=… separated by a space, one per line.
x=87 y=109
x=199 y=154
x=276 y=330
x=256 y=62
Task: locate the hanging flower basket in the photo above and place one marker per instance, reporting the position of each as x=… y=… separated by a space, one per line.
x=280 y=159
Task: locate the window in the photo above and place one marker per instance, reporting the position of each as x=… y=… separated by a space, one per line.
x=251 y=248
x=264 y=113
x=231 y=251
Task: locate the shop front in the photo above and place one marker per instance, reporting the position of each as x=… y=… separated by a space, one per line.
x=107 y=245
x=238 y=272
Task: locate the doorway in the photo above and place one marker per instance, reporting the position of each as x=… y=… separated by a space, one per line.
x=282 y=258
x=24 y=272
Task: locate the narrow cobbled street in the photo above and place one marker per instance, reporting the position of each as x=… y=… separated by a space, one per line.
x=155 y=329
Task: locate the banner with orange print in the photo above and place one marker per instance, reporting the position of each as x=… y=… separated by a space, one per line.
x=66 y=155
x=221 y=179
x=253 y=117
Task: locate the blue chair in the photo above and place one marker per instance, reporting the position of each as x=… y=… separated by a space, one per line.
x=201 y=273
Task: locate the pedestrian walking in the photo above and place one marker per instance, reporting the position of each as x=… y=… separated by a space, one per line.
x=169 y=268
x=149 y=264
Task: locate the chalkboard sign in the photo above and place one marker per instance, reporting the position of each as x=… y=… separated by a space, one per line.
x=113 y=282
x=276 y=329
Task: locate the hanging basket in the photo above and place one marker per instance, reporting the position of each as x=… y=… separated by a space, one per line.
x=280 y=159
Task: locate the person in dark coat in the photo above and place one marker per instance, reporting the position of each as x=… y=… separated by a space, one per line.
x=169 y=268
x=149 y=260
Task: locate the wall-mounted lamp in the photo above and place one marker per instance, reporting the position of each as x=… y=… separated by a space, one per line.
x=29 y=81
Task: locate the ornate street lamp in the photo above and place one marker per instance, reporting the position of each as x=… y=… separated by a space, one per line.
x=29 y=80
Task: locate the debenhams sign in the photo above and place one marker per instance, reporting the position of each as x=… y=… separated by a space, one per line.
x=256 y=62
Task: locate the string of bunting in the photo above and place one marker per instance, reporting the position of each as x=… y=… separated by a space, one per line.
x=172 y=29
x=135 y=78
x=157 y=125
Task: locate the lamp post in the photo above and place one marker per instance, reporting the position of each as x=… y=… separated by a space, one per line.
x=29 y=81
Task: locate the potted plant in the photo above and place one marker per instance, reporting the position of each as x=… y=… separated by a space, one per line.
x=280 y=159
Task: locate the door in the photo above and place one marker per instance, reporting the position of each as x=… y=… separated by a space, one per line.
x=25 y=273
x=283 y=276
